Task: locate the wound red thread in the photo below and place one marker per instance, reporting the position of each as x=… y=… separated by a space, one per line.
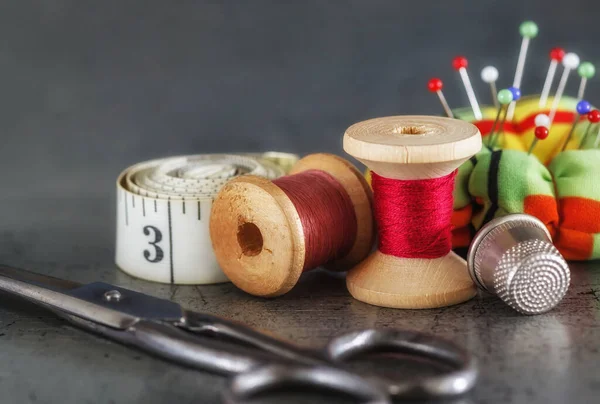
x=326 y=213
x=414 y=216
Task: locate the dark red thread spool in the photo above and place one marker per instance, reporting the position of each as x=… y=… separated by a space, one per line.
x=266 y=233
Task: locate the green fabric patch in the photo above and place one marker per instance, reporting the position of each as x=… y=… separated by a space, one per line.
x=575 y=173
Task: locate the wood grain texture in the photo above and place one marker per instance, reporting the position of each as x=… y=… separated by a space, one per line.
x=410 y=148
x=273 y=265
x=413 y=146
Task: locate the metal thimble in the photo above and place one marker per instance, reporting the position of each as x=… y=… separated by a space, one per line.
x=513 y=258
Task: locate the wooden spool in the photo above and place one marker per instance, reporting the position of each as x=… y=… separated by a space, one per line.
x=411 y=148
x=257 y=235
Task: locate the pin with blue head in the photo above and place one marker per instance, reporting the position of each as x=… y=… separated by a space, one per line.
x=583 y=108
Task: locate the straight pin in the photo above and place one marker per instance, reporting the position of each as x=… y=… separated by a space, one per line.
x=583 y=107
x=460 y=64
x=528 y=30
x=489 y=74
x=541 y=133
x=435 y=85
x=556 y=56
x=569 y=62
x=594 y=117
x=586 y=71
x=505 y=97
x=540 y=120
x=597 y=138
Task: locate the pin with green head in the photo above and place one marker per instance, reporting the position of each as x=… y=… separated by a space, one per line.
x=586 y=71
x=505 y=97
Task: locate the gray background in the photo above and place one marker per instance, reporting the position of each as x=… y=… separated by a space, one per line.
x=89 y=88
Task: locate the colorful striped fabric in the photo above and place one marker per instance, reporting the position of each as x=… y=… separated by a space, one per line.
x=560 y=188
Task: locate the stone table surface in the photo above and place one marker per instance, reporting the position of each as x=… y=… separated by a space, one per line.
x=551 y=358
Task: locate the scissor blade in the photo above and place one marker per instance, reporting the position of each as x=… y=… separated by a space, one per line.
x=63 y=296
x=42 y=280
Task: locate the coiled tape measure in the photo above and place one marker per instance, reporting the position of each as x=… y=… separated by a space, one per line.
x=163 y=209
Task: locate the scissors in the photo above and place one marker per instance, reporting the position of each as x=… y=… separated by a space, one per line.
x=256 y=362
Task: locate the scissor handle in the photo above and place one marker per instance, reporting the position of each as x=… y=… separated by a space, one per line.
x=454 y=383
x=247 y=386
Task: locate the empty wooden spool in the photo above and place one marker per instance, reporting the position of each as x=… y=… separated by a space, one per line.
x=257 y=234
x=412 y=148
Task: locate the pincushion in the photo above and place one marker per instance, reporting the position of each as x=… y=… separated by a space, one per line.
x=557 y=187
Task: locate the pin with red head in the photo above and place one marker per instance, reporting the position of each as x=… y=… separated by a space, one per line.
x=541 y=132
x=593 y=117
x=556 y=56
x=435 y=85
x=460 y=64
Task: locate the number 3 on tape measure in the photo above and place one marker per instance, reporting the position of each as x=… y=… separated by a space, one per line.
x=147 y=227
x=158 y=254
x=163 y=210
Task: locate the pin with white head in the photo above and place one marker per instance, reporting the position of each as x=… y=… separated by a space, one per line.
x=528 y=30
x=586 y=71
x=583 y=108
x=569 y=62
x=460 y=64
x=435 y=85
x=542 y=123
x=556 y=56
x=593 y=117
x=489 y=74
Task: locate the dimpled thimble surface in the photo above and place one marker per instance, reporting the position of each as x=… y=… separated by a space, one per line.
x=513 y=258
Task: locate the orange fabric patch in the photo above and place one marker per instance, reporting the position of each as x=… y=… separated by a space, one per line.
x=544 y=208
x=579 y=213
x=462 y=217
x=461 y=237
x=574 y=244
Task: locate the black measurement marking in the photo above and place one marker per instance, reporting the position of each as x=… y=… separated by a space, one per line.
x=170 y=241
x=155 y=206
x=199 y=211
x=126 y=212
x=133 y=201
x=183 y=206
x=144 y=207
x=158 y=252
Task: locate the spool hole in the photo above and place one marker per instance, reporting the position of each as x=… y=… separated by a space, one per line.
x=250 y=239
x=411 y=130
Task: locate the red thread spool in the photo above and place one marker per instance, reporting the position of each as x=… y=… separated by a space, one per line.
x=266 y=233
x=413 y=160
x=404 y=205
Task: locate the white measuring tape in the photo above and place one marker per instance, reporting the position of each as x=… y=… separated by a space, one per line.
x=163 y=209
